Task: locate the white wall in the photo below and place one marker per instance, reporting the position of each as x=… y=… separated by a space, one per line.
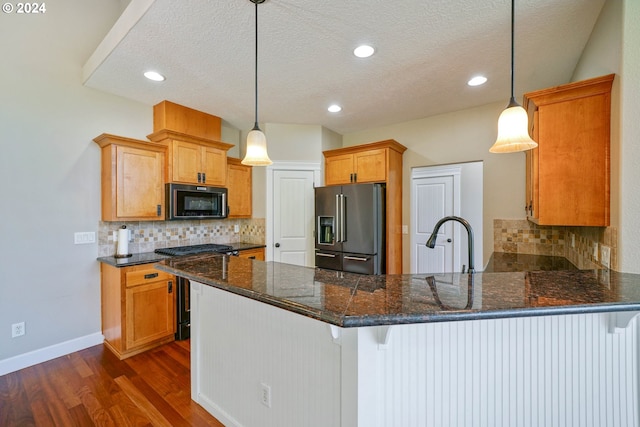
x=458 y=137
x=629 y=237
x=50 y=170
x=613 y=48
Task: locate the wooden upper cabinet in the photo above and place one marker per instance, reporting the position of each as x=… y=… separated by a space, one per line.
x=239 y=186
x=375 y=162
x=193 y=160
x=368 y=165
x=178 y=118
x=338 y=169
x=132 y=179
x=568 y=174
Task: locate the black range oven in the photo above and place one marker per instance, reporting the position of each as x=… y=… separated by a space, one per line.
x=183 y=307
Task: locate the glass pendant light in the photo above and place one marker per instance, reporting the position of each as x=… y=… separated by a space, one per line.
x=513 y=124
x=256 y=154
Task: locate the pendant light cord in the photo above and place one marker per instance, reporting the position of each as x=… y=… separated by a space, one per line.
x=512 y=101
x=255 y=126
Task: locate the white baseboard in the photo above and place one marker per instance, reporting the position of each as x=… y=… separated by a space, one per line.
x=31 y=358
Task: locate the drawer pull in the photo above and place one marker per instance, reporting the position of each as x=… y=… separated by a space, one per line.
x=325 y=255
x=170 y=286
x=150 y=275
x=355 y=258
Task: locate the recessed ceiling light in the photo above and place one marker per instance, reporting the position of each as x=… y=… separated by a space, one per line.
x=335 y=108
x=477 y=81
x=155 y=76
x=363 y=51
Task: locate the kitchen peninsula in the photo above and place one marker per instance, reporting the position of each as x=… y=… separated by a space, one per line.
x=281 y=345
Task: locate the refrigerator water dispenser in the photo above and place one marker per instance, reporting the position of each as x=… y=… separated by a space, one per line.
x=326 y=225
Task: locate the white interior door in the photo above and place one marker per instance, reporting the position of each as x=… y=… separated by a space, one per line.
x=293 y=205
x=433 y=199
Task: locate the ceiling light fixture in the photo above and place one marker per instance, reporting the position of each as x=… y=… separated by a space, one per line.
x=256 y=154
x=513 y=124
x=363 y=51
x=154 y=75
x=477 y=81
x=335 y=108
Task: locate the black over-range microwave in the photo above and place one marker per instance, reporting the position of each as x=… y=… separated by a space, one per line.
x=195 y=202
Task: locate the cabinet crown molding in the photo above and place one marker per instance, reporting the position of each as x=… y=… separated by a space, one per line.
x=167 y=135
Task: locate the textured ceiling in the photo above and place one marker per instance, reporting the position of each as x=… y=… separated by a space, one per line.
x=425 y=53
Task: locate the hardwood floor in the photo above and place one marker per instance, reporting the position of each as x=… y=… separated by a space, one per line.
x=93 y=388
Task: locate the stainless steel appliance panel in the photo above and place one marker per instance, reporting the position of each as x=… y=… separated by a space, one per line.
x=350 y=222
x=360 y=263
x=362 y=211
x=329 y=260
x=327 y=217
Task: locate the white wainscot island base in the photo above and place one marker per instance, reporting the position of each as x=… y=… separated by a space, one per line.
x=257 y=365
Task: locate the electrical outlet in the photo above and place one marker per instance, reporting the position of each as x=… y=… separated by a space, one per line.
x=265 y=395
x=573 y=240
x=605 y=256
x=84 y=237
x=595 y=252
x=17 y=330
x=236 y=228
x=405 y=229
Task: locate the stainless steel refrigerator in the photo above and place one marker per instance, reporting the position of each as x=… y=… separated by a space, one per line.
x=350 y=228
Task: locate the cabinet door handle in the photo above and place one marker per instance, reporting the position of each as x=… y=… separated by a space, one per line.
x=350 y=177
x=204 y=177
x=199 y=177
x=252 y=257
x=170 y=286
x=159 y=210
x=150 y=275
x=355 y=177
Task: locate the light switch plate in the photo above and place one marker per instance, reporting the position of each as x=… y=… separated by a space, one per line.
x=84 y=237
x=405 y=229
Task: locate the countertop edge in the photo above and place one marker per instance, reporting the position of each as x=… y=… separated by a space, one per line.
x=352 y=321
x=347 y=321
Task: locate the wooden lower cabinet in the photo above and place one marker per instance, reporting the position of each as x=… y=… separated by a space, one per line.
x=257 y=253
x=138 y=308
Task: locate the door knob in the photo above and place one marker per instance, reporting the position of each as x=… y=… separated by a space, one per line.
x=277 y=245
x=448 y=240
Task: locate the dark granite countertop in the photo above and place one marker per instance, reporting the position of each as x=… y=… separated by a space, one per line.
x=352 y=300
x=134 y=259
x=503 y=262
x=152 y=257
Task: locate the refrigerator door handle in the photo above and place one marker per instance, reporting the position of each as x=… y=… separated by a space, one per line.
x=337 y=233
x=325 y=255
x=343 y=225
x=356 y=258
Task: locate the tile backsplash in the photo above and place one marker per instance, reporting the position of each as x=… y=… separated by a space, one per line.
x=150 y=235
x=577 y=244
